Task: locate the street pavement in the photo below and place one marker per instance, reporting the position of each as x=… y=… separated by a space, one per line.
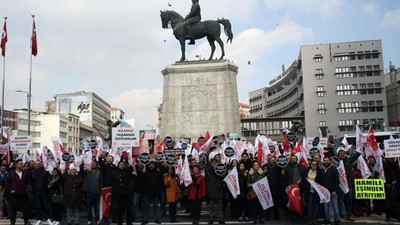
x=184 y=218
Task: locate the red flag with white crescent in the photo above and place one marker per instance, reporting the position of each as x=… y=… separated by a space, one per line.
x=293 y=193
x=105 y=203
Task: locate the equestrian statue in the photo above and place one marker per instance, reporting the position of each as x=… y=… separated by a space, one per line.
x=191 y=28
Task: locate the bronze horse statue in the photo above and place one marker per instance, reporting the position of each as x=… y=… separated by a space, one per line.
x=208 y=28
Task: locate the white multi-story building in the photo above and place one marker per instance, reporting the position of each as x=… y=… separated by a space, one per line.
x=334 y=86
x=116 y=114
x=92 y=110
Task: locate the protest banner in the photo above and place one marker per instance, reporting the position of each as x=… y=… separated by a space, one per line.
x=232 y=182
x=392 y=148
x=20 y=144
x=344 y=185
x=323 y=193
x=125 y=137
x=369 y=188
x=261 y=188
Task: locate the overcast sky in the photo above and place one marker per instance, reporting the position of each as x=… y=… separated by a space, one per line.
x=117 y=48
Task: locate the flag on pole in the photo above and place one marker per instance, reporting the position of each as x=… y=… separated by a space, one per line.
x=363 y=167
x=359 y=140
x=4 y=39
x=34 y=39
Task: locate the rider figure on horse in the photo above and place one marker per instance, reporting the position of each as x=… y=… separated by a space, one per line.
x=193 y=17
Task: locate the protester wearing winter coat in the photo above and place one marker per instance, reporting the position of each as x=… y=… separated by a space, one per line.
x=40 y=178
x=315 y=174
x=73 y=196
x=196 y=193
x=153 y=183
x=92 y=185
x=171 y=182
x=256 y=174
x=122 y=190
x=275 y=181
x=330 y=180
x=215 y=192
x=244 y=209
x=56 y=188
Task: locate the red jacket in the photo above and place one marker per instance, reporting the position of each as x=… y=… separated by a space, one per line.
x=200 y=185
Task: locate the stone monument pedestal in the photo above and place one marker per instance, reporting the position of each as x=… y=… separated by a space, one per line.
x=200 y=96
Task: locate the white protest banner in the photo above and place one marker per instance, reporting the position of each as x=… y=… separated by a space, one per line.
x=4 y=148
x=125 y=137
x=324 y=194
x=392 y=148
x=261 y=188
x=20 y=144
x=232 y=181
x=344 y=185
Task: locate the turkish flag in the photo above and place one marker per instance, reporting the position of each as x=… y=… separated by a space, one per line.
x=4 y=39
x=105 y=204
x=371 y=140
x=161 y=147
x=294 y=199
x=34 y=40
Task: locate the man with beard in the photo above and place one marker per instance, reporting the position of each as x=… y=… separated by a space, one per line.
x=330 y=180
x=274 y=175
x=16 y=184
x=108 y=170
x=40 y=179
x=348 y=197
x=292 y=174
x=153 y=181
x=215 y=192
x=122 y=189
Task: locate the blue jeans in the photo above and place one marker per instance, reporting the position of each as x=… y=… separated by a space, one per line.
x=347 y=199
x=93 y=201
x=42 y=205
x=312 y=206
x=334 y=203
x=137 y=197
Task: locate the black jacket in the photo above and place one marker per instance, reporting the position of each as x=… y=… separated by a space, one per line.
x=330 y=179
x=306 y=186
x=153 y=182
x=123 y=181
x=108 y=172
x=40 y=180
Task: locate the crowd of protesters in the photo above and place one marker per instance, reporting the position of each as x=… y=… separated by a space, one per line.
x=45 y=196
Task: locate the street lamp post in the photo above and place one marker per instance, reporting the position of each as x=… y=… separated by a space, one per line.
x=28 y=96
x=395 y=110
